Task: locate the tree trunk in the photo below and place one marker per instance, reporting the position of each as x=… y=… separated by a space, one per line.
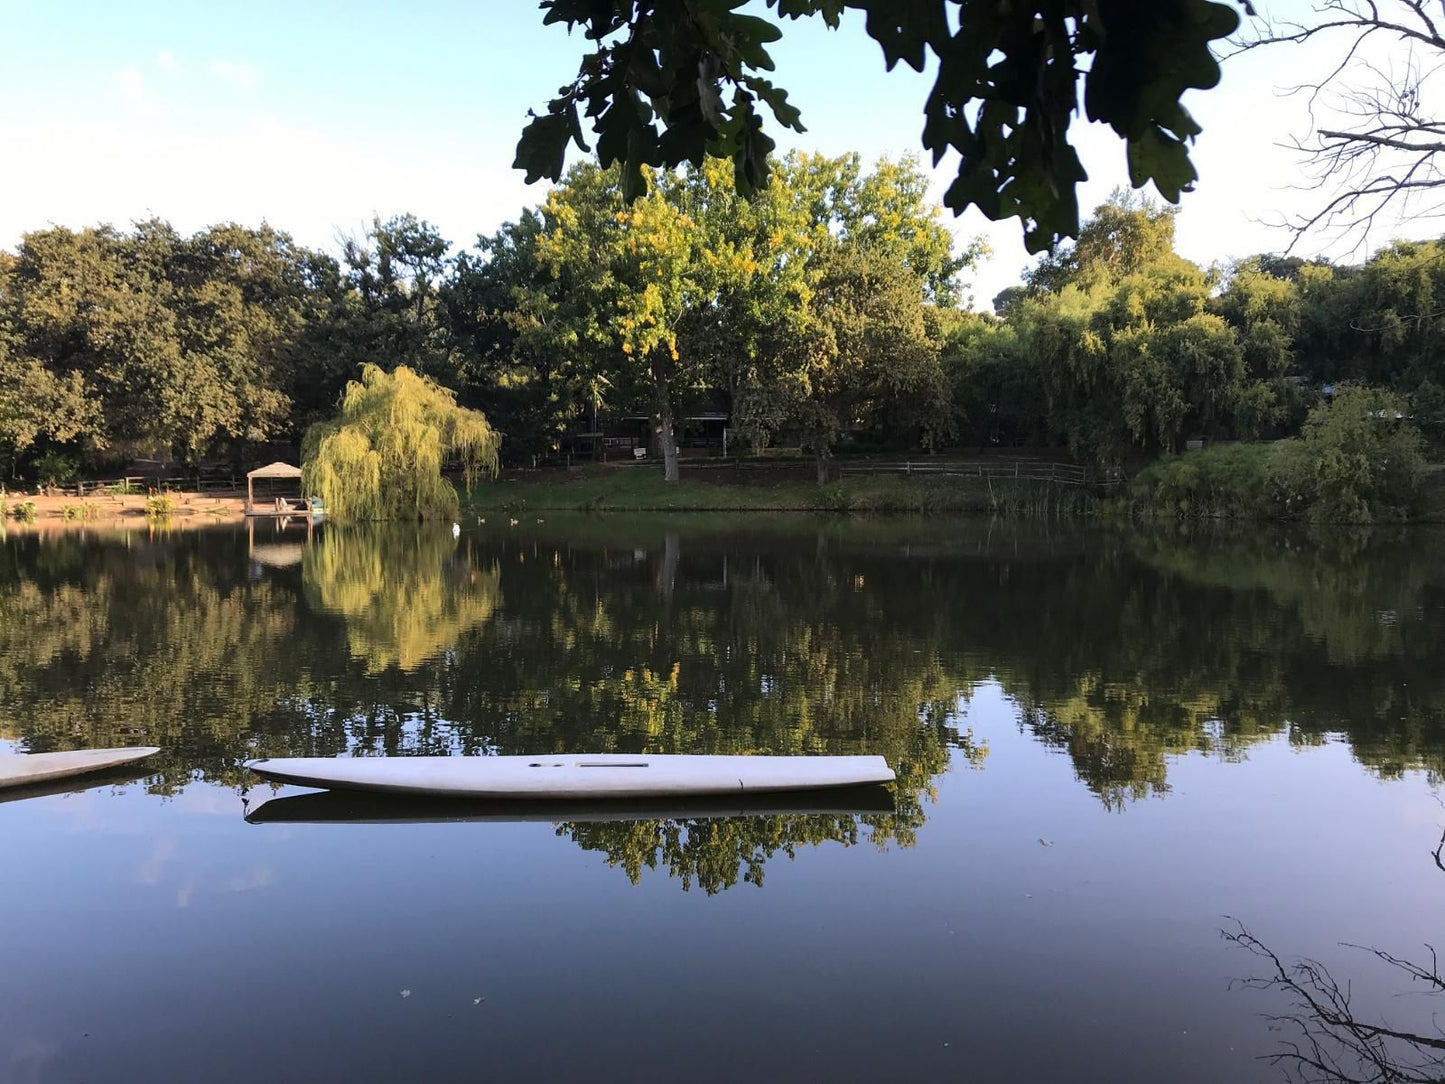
x=666 y=431
x=820 y=459
x=668 y=441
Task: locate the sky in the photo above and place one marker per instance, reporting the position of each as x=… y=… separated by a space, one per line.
x=316 y=117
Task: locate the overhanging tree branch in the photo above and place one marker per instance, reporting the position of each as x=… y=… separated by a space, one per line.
x=1375 y=140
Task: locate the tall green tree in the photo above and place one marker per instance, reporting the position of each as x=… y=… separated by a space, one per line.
x=180 y=343
x=1264 y=311
x=395 y=271
x=1134 y=357
x=518 y=352
x=997 y=387
x=870 y=354
x=1381 y=323
x=1126 y=235
x=628 y=308
x=34 y=403
x=752 y=276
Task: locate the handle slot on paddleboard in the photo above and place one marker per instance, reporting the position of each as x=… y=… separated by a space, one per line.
x=591 y=764
x=610 y=764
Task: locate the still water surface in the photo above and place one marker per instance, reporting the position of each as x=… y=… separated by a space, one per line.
x=1110 y=746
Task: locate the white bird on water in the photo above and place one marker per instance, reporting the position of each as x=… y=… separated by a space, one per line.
x=456 y=530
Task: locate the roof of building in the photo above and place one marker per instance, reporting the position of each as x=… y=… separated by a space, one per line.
x=275 y=470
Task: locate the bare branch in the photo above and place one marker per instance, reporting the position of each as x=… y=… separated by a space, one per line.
x=1374 y=140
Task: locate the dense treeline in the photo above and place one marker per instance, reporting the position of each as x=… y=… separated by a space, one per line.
x=826 y=310
x=1121 y=348
x=114 y=344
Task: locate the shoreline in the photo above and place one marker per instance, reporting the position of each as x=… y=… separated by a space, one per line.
x=632 y=489
x=121 y=510
x=636 y=489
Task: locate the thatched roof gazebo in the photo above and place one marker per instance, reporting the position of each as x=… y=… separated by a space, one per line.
x=270 y=470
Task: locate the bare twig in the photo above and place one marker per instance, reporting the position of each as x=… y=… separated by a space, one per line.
x=1375 y=142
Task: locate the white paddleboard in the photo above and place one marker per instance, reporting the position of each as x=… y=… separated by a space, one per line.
x=24 y=769
x=603 y=775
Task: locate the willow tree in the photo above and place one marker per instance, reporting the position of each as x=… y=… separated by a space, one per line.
x=383 y=457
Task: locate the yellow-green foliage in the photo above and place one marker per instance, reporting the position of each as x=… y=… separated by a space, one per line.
x=382 y=458
x=403 y=593
x=26 y=511
x=160 y=506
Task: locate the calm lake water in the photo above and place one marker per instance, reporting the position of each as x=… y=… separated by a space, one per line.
x=1111 y=746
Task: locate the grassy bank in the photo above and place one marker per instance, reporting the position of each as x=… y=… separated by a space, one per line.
x=642 y=489
x=1241 y=481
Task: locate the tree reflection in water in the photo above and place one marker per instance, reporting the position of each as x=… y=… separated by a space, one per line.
x=1121 y=649
x=1325 y=1038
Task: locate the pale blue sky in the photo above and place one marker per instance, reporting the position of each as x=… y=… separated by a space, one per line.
x=314 y=116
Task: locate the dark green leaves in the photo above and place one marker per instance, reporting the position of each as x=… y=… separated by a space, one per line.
x=672 y=80
x=542 y=150
x=667 y=83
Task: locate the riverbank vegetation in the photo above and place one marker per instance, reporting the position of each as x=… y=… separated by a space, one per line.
x=827 y=314
x=1354 y=462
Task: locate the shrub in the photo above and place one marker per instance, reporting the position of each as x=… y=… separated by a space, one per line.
x=1219 y=481
x=837 y=499
x=160 y=506
x=54 y=469
x=1358 y=460
x=82 y=511
x=26 y=511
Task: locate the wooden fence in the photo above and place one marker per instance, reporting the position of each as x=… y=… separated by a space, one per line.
x=204 y=483
x=1061 y=473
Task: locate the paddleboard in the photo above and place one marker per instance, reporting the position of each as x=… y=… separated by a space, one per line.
x=604 y=775
x=360 y=807
x=27 y=769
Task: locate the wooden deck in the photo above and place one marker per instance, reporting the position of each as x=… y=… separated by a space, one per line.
x=282 y=507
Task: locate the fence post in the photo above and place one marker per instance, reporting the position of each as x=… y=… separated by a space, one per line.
x=908 y=467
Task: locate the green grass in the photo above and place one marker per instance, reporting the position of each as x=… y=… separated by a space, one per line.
x=634 y=489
